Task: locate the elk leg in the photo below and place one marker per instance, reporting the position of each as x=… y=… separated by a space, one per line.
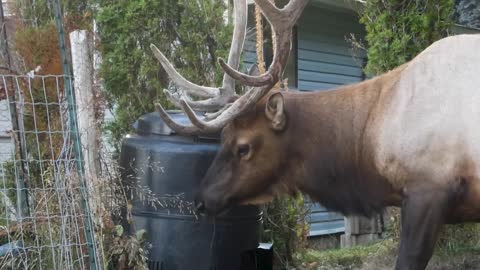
x=423 y=214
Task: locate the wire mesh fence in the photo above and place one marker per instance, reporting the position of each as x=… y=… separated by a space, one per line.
x=45 y=221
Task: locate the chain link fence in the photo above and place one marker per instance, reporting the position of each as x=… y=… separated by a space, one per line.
x=45 y=221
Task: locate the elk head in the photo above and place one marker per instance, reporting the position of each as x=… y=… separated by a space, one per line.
x=248 y=163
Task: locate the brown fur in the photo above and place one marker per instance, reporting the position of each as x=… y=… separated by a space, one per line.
x=326 y=149
x=329 y=153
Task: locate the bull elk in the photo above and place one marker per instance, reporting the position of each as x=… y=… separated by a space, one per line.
x=408 y=138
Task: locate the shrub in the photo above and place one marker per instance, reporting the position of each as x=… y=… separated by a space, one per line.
x=398 y=30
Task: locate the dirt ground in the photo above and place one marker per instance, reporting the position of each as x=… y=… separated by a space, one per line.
x=470 y=261
x=382 y=256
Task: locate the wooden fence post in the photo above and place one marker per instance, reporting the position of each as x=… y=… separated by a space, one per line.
x=82 y=63
x=360 y=230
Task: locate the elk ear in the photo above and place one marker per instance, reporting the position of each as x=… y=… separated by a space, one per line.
x=274 y=110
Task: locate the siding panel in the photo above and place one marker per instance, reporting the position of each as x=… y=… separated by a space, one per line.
x=315 y=76
x=317 y=86
x=319 y=66
x=316 y=56
x=324 y=222
x=249 y=56
x=320 y=46
x=325 y=58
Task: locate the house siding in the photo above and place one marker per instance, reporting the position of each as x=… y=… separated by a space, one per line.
x=249 y=54
x=325 y=58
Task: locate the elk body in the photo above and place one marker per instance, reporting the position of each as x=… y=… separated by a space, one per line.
x=409 y=138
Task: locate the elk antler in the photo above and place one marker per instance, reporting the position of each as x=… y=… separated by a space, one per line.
x=282 y=22
x=217 y=97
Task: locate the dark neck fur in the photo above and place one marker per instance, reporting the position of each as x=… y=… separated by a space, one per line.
x=332 y=156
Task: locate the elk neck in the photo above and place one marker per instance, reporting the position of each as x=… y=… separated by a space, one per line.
x=329 y=139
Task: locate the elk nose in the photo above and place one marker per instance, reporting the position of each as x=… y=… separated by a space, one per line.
x=200 y=206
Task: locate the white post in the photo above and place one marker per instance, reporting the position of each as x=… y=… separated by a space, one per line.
x=106 y=149
x=87 y=124
x=97 y=59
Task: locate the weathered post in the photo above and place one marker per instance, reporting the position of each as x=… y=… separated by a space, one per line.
x=85 y=101
x=360 y=230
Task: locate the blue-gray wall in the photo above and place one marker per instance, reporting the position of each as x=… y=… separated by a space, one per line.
x=325 y=58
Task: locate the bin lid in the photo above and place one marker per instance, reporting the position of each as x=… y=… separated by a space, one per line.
x=152 y=124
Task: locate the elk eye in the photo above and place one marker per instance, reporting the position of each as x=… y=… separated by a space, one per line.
x=243 y=150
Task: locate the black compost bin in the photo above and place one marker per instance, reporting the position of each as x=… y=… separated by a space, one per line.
x=172 y=166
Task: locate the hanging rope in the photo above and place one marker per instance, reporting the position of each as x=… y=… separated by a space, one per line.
x=259 y=28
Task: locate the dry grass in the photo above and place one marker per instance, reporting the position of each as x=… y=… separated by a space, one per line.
x=458 y=248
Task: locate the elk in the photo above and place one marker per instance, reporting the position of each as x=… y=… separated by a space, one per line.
x=408 y=138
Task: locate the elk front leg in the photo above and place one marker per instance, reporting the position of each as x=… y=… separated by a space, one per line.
x=423 y=214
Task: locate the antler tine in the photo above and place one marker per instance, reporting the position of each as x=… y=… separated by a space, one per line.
x=217 y=97
x=207 y=105
x=236 y=47
x=210 y=116
x=180 y=81
x=199 y=126
x=294 y=9
x=181 y=129
x=281 y=21
x=244 y=102
x=205 y=127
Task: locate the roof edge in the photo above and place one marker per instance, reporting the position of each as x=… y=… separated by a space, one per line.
x=348 y=5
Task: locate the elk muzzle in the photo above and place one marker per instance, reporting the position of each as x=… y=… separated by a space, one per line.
x=209 y=204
